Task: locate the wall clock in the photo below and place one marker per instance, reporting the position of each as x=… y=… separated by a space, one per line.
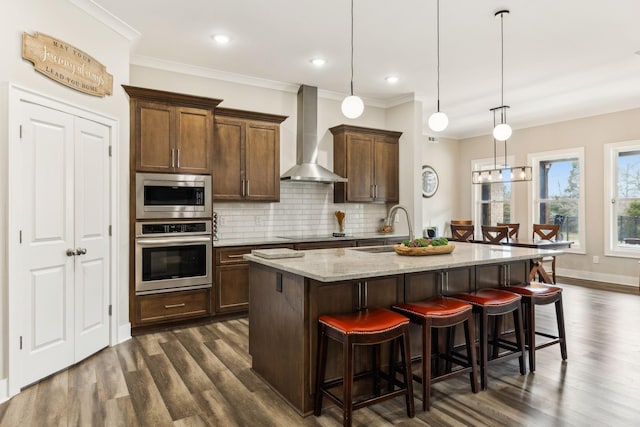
x=429 y=181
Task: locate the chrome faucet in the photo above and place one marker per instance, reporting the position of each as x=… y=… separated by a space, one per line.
x=392 y=211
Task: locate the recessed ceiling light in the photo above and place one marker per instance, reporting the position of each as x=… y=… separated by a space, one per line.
x=392 y=79
x=318 y=62
x=221 y=38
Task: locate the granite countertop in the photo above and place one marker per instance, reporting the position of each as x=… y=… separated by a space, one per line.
x=250 y=241
x=330 y=265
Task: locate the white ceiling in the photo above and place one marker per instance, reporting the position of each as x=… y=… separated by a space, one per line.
x=563 y=58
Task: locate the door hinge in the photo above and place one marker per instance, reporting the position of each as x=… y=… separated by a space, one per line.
x=110 y=309
x=20 y=342
x=109 y=230
x=110 y=151
x=20 y=236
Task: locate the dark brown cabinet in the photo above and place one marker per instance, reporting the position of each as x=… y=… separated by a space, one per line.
x=231 y=286
x=369 y=159
x=172 y=306
x=246 y=156
x=505 y=274
x=171 y=132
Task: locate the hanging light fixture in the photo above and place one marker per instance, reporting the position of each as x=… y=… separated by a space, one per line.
x=502 y=131
x=352 y=106
x=438 y=121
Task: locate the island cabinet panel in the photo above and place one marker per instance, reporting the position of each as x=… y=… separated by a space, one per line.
x=368 y=158
x=246 y=156
x=419 y=286
x=502 y=274
x=279 y=334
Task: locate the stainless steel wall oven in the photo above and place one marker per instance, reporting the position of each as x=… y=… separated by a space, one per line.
x=173 y=256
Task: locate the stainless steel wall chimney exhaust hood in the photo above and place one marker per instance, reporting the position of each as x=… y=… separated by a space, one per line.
x=307 y=168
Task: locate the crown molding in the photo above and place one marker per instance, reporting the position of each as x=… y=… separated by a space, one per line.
x=107 y=18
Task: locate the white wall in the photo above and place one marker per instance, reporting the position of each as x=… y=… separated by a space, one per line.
x=591 y=133
x=62 y=20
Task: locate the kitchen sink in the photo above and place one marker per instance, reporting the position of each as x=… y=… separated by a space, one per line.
x=375 y=249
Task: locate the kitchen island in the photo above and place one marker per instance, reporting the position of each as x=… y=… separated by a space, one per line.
x=287 y=295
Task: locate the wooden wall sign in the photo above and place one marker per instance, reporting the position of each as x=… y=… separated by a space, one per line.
x=66 y=64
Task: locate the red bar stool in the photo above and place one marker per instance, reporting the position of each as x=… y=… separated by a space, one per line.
x=496 y=302
x=366 y=327
x=442 y=312
x=540 y=294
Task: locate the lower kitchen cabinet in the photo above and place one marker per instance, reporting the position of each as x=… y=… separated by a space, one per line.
x=326 y=245
x=231 y=286
x=172 y=306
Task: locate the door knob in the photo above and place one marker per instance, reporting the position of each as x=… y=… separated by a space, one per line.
x=71 y=252
x=81 y=251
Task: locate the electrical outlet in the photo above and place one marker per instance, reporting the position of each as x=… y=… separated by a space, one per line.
x=596 y=259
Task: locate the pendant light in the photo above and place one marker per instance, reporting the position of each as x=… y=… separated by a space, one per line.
x=352 y=106
x=502 y=131
x=438 y=121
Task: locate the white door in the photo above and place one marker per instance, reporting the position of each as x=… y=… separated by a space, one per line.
x=64 y=203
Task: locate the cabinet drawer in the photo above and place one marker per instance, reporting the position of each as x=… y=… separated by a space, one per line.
x=173 y=306
x=235 y=255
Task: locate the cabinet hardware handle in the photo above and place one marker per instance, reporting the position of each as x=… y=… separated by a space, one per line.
x=242 y=188
x=372 y=192
x=81 y=251
x=375 y=193
x=235 y=256
x=247 y=188
x=174 y=305
x=178 y=150
x=71 y=252
x=173 y=158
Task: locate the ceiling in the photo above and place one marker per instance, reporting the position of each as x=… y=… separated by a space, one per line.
x=562 y=59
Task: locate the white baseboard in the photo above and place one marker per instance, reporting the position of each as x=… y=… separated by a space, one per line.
x=124 y=333
x=617 y=279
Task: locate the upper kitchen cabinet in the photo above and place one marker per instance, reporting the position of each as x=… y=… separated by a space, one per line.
x=171 y=132
x=368 y=158
x=246 y=156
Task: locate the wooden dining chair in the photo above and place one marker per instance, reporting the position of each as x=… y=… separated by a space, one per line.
x=494 y=234
x=462 y=222
x=462 y=233
x=514 y=229
x=547 y=232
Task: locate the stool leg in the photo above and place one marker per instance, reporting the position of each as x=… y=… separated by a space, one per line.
x=530 y=340
x=406 y=369
x=470 y=340
x=347 y=385
x=517 y=321
x=484 y=376
x=561 y=333
x=321 y=364
x=426 y=365
x=375 y=356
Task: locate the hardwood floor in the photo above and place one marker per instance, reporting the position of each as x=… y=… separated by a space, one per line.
x=201 y=376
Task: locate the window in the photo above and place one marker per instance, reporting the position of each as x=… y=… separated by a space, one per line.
x=492 y=202
x=558 y=193
x=622 y=190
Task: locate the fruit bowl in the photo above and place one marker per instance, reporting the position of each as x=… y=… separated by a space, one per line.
x=424 y=250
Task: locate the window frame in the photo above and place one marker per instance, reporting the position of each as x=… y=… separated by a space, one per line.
x=476 y=193
x=610 y=157
x=534 y=159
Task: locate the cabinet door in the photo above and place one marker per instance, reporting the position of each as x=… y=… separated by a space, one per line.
x=154 y=136
x=232 y=288
x=262 y=167
x=228 y=158
x=386 y=169
x=359 y=168
x=193 y=140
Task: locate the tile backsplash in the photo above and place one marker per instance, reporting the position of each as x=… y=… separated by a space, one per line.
x=305 y=210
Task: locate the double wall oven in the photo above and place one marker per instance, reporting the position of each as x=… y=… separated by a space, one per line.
x=173 y=250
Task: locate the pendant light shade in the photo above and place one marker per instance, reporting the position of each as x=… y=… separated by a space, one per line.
x=438 y=121
x=352 y=106
x=502 y=132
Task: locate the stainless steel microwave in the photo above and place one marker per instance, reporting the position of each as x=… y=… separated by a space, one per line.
x=164 y=195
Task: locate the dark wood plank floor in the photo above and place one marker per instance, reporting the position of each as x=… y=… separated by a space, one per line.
x=201 y=376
